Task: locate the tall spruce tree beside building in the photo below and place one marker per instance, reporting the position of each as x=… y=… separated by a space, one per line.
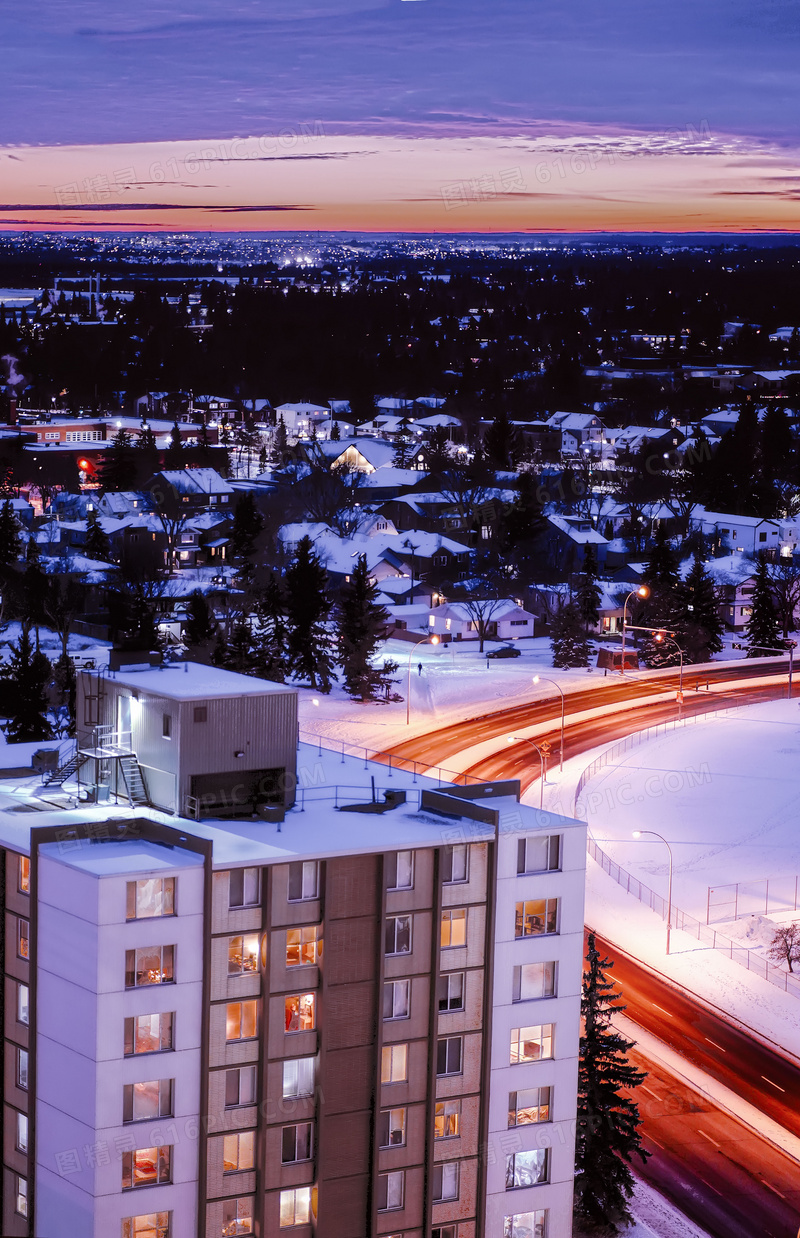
x=201 y=627
x=568 y=637
x=403 y=444
x=270 y=631
x=699 y=625
x=662 y=575
x=96 y=546
x=608 y=1135
x=310 y=651
x=25 y=678
x=587 y=593
x=361 y=623
x=762 y=627
x=247 y=524
x=10 y=544
x=120 y=467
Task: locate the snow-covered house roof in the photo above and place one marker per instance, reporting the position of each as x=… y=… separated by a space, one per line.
x=578 y=529
x=366 y=454
x=196 y=481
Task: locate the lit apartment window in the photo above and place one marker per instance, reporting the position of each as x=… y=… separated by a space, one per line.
x=141 y=1102
x=148 y=1033
x=297 y=1206
x=391 y=1128
x=532 y=981
x=445 y=1182
x=166 y=726
x=154 y=896
x=529 y=1107
x=531 y=1044
x=454 y=927
x=303 y=945
x=22 y=1069
x=451 y=991
x=539 y=855
x=297 y=1143
x=240 y=1086
x=396 y=999
x=23 y=939
x=21 y=1200
x=237 y=1217
x=23 y=1004
x=394 y=1063
x=526 y=1225
x=391 y=1189
x=455 y=863
x=298 y=1077
x=238 y=1152
x=303 y=880
x=146 y=1167
x=24 y=875
x=447 y=1119
x=527 y=1168
x=400 y=870
x=150 y=1225
x=398 y=934
x=300 y=1012
x=536 y=917
x=449 y=1052
x=243 y=954
x=241 y=1020
x=21 y=1138
x=244 y=888
x=149 y=965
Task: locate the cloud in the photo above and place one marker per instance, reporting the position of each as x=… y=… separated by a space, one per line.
x=148 y=206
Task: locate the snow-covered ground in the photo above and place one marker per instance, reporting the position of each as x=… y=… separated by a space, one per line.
x=655 y=1217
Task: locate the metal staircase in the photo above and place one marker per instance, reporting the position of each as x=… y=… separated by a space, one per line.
x=57 y=777
x=134 y=780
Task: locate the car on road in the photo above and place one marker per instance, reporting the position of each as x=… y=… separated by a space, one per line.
x=505 y=651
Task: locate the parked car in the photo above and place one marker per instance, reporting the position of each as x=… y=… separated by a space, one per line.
x=83 y=662
x=505 y=651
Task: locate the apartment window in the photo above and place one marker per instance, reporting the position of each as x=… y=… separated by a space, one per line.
x=152 y=897
x=455 y=863
x=150 y=1225
x=391 y=1189
x=244 y=887
x=300 y=1012
x=303 y=880
x=394 y=1063
x=21 y=1200
x=447 y=1119
x=21 y=1138
x=534 y=980
x=400 y=870
x=148 y=1033
x=141 y=1102
x=303 y=945
x=536 y=917
x=448 y=1055
x=238 y=1152
x=391 y=1128
x=297 y=1143
x=527 y=1168
x=241 y=1020
x=237 y=1217
x=526 y=1225
x=529 y=1107
x=296 y=1207
x=396 y=999
x=298 y=1077
x=445 y=1181
x=531 y=1044
x=243 y=954
x=398 y=935
x=166 y=726
x=240 y=1086
x=23 y=1004
x=23 y=939
x=22 y=1069
x=445 y=1231
x=454 y=927
x=149 y=965
x=539 y=855
x=24 y=874
x=451 y=991
x=146 y=1167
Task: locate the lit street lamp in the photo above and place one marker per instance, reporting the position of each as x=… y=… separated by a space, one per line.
x=434 y=640
x=652 y=833
x=642 y=592
x=659 y=639
x=513 y=739
x=541 y=679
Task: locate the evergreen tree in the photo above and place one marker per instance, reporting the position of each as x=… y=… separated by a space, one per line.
x=97 y=546
x=336 y=432
x=270 y=632
x=175 y=454
x=26 y=676
x=280 y=441
x=608 y=1122
x=10 y=544
x=201 y=626
x=309 y=644
x=34 y=587
x=762 y=626
x=568 y=637
x=147 y=446
x=120 y=467
x=662 y=576
x=362 y=623
x=699 y=625
x=247 y=524
x=65 y=686
x=587 y=594
x=403 y=444
x=499 y=442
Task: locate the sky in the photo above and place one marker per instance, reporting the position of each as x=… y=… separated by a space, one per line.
x=401 y=115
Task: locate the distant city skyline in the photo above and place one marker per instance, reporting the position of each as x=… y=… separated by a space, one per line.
x=391 y=116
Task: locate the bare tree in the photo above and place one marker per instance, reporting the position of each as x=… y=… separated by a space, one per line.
x=785 y=944
x=481 y=612
x=785 y=580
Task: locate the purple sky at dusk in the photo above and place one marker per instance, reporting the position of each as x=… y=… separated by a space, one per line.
x=418 y=114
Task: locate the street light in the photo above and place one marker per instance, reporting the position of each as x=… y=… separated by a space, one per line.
x=434 y=640
x=638 y=834
x=512 y=739
x=659 y=639
x=642 y=592
x=542 y=679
